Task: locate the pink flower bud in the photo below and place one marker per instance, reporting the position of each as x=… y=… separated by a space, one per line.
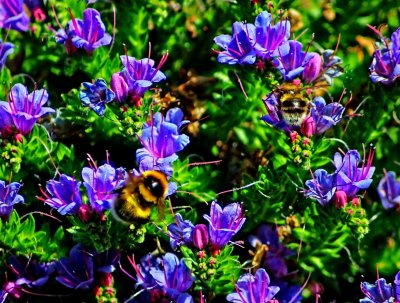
x=200 y=236
x=106 y=279
x=19 y=137
x=85 y=213
x=312 y=69
x=293 y=136
x=119 y=87
x=308 y=127
x=39 y=14
x=340 y=199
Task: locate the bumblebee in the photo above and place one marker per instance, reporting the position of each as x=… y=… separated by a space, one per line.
x=139 y=196
x=293 y=103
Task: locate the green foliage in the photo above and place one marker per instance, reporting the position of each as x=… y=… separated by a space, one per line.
x=214 y=274
x=21 y=237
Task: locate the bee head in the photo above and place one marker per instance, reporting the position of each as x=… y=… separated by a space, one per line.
x=156 y=183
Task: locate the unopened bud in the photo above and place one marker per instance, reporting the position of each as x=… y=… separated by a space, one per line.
x=312 y=69
x=119 y=87
x=308 y=127
x=200 y=236
x=340 y=199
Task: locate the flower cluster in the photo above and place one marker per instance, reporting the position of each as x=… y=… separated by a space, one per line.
x=380 y=292
x=166 y=277
x=89 y=33
x=8 y=198
x=224 y=223
x=342 y=185
x=385 y=66
x=136 y=78
x=270 y=42
x=81 y=271
x=100 y=183
x=389 y=190
x=22 y=110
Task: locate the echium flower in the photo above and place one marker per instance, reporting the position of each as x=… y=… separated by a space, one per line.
x=253 y=289
x=88 y=33
x=6 y=48
x=63 y=195
x=389 y=190
x=180 y=232
x=325 y=115
x=100 y=183
x=224 y=224
x=291 y=61
x=161 y=140
x=96 y=95
x=136 y=78
x=385 y=66
x=277 y=252
x=22 y=110
x=344 y=184
x=238 y=48
x=13 y=16
x=8 y=198
x=268 y=36
x=380 y=292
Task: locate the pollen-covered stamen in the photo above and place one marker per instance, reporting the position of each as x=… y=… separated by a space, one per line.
x=160 y=64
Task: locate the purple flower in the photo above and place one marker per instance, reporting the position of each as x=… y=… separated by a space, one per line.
x=253 y=289
x=238 y=48
x=22 y=109
x=180 y=232
x=322 y=187
x=274 y=262
x=325 y=116
x=291 y=60
x=349 y=177
x=224 y=224
x=143 y=275
x=161 y=140
x=274 y=116
x=174 y=277
x=13 y=16
x=137 y=76
x=8 y=197
x=63 y=195
x=385 y=66
x=269 y=37
x=332 y=66
x=30 y=272
x=76 y=271
x=100 y=183
x=389 y=190
x=380 y=292
x=96 y=96
x=200 y=236
x=6 y=49
x=312 y=69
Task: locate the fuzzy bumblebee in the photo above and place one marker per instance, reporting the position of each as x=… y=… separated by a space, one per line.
x=139 y=196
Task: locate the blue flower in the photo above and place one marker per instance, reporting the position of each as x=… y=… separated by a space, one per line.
x=332 y=66
x=275 y=261
x=238 y=48
x=274 y=116
x=322 y=187
x=8 y=198
x=174 y=277
x=13 y=16
x=380 y=292
x=385 y=66
x=137 y=77
x=291 y=60
x=63 y=195
x=76 y=271
x=96 y=96
x=389 y=190
x=269 y=37
x=253 y=289
x=22 y=109
x=30 y=272
x=224 y=224
x=100 y=183
x=6 y=49
x=161 y=140
x=325 y=116
x=180 y=232
x=349 y=177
